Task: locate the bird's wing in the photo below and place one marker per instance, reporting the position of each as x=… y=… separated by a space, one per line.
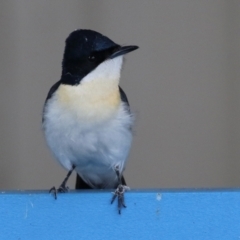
x=50 y=93
x=124 y=98
x=53 y=90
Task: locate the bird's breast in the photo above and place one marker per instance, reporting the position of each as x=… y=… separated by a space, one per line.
x=90 y=102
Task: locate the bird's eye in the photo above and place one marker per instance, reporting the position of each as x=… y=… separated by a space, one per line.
x=92 y=58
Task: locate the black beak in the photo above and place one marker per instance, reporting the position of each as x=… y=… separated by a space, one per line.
x=123 y=50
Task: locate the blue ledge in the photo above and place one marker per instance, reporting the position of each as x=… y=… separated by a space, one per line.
x=154 y=214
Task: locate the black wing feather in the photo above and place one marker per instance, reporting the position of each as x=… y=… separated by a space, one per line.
x=124 y=98
x=53 y=90
x=50 y=93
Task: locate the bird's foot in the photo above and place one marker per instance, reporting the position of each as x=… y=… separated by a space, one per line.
x=119 y=193
x=61 y=189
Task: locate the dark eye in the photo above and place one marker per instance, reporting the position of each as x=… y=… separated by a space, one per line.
x=92 y=58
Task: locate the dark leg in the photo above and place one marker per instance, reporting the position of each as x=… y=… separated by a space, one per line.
x=62 y=188
x=119 y=192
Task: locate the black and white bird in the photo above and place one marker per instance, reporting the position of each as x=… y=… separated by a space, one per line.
x=86 y=118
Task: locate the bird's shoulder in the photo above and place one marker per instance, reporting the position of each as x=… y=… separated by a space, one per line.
x=50 y=93
x=124 y=97
x=53 y=90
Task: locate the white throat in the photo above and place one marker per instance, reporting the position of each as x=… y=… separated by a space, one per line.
x=107 y=70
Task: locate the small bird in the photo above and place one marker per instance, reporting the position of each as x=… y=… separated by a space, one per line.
x=86 y=117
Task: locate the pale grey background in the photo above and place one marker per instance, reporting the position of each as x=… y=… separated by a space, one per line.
x=183 y=85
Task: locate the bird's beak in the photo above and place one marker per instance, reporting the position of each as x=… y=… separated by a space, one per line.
x=123 y=50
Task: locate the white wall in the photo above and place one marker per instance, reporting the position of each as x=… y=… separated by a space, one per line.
x=183 y=85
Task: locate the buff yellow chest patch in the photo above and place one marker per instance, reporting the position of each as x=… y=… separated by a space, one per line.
x=90 y=101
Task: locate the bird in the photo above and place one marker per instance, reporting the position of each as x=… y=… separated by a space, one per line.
x=87 y=121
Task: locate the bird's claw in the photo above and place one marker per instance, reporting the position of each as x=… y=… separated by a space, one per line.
x=119 y=193
x=61 y=189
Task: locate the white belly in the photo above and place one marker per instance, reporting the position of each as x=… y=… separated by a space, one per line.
x=95 y=148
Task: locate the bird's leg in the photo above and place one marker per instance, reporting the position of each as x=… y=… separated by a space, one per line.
x=62 y=188
x=119 y=192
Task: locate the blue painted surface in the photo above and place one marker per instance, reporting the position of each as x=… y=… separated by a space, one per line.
x=154 y=214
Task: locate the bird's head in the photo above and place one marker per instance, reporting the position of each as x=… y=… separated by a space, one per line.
x=89 y=54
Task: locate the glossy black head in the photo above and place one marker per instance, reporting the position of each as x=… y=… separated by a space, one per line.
x=84 y=51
